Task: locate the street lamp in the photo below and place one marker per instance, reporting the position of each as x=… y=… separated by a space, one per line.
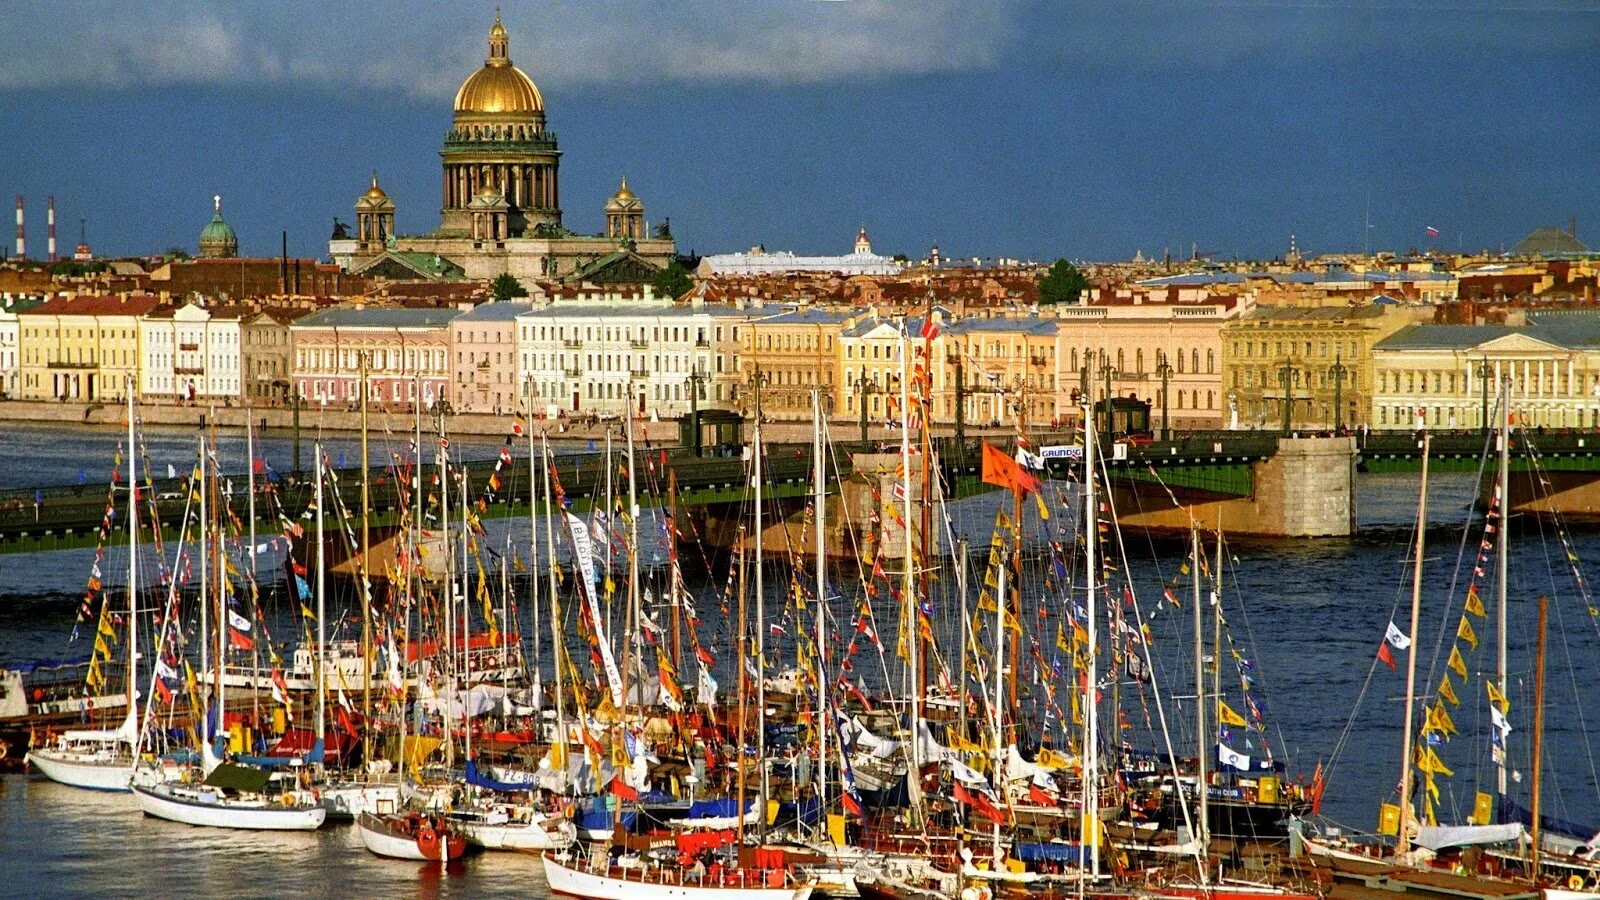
x=1338 y=372
x=1164 y=370
x=864 y=387
x=1106 y=371
x=1483 y=376
x=1286 y=378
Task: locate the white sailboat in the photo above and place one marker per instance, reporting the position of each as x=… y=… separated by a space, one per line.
x=226 y=795
x=594 y=877
x=103 y=759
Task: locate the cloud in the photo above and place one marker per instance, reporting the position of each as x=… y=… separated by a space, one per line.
x=425 y=48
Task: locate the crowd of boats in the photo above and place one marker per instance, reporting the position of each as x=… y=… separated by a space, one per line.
x=926 y=717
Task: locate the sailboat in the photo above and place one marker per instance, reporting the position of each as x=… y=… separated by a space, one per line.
x=223 y=794
x=103 y=759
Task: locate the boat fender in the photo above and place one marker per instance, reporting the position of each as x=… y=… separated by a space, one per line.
x=969 y=894
x=428 y=841
x=1575 y=882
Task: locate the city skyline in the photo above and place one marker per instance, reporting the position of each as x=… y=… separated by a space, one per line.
x=1015 y=128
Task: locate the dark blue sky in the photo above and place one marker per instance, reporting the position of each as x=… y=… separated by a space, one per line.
x=1030 y=129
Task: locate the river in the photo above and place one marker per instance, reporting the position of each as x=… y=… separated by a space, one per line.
x=1309 y=615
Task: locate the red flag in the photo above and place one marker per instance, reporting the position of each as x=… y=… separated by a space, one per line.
x=1383 y=654
x=1040 y=796
x=238 y=640
x=705 y=656
x=980 y=803
x=1003 y=471
x=623 y=790
x=1318 y=783
x=851 y=804
x=347 y=724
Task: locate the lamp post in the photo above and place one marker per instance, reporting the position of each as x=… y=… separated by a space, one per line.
x=1164 y=370
x=1338 y=372
x=1286 y=378
x=1106 y=371
x=864 y=388
x=1483 y=378
x=695 y=380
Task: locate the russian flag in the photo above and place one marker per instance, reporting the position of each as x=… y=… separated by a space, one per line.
x=1432 y=231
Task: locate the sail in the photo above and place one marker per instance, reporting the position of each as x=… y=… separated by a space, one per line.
x=582 y=555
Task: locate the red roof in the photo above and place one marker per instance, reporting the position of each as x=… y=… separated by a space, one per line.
x=96 y=305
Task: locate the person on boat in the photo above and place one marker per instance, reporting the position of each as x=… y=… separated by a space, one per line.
x=697 y=872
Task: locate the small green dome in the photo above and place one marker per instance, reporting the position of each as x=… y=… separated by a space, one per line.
x=218 y=239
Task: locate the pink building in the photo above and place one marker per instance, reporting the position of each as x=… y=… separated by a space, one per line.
x=483 y=360
x=406 y=352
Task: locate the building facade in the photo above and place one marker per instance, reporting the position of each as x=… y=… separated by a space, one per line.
x=792 y=352
x=1449 y=376
x=266 y=363
x=1305 y=359
x=650 y=359
x=483 y=358
x=405 y=352
x=191 y=353
x=1140 y=348
x=81 y=348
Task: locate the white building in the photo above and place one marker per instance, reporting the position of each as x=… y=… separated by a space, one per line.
x=758 y=261
x=577 y=357
x=190 y=353
x=10 y=338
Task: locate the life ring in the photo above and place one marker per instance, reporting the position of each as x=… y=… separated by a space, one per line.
x=428 y=841
x=1575 y=882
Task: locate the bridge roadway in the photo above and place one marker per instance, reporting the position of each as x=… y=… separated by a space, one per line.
x=1217 y=462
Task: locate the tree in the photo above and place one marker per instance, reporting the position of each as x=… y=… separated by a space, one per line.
x=506 y=287
x=673 y=281
x=1063 y=284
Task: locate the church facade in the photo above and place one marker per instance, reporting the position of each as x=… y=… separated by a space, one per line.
x=501 y=200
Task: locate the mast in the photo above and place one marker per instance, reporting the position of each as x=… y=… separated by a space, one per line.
x=1089 y=821
x=466 y=616
x=1503 y=490
x=998 y=723
x=744 y=678
x=219 y=587
x=133 y=571
x=1538 y=740
x=449 y=582
x=820 y=499
x=205 y=575
x=556 y=645
x=533 y=553
x=366 y=576
x=322 y=611
x=1403 y=840
x=631 y=638
x=761 y=633
x=250 y=487
x=909 y=605
x=1202 y=735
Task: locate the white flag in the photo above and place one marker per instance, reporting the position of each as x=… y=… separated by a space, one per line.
x=1499 y=721
x=239 y=623
x=1229 y=758
x=1396 y=638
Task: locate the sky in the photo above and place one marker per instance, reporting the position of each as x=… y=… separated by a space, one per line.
x=994 y=128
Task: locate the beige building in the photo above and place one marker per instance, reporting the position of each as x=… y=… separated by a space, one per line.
x=1130 y=342
x=1312 y=356
x=483 y=357
x=266 y=359
x=795 y=352
x=81 y=348
x=1009 y=365
x=1437 y=376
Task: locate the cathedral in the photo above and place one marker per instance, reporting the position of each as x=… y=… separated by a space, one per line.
x=501 y=209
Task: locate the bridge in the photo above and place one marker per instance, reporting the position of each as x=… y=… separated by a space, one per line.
x=1253 y=482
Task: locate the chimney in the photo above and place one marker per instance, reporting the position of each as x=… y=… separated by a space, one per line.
x=22 y=232
x=283 y=265
x=50 y=228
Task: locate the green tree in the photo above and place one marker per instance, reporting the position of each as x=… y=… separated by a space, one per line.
x=506 y=287
x=1063 y=284
x=673 y=281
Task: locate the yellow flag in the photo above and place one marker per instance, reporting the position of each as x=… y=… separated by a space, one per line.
x=1498 y=698
x=1447 y=691
x=1226 y=716
x=106 y=629
x=1482 y=808
x=1044 y=511
x=1389 y=819
x=1474 y=602
x=1061 y=639
x=1457 y=664
x=1436 y=765
x=1464 y=631
x=1439 y=721
x=100 y=647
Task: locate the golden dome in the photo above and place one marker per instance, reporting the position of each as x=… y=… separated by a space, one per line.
x=499 y=88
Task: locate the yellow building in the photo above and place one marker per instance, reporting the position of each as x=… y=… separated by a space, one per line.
x=1312 y=356
x=1438 y=376
x=81 y=348
x=793 y=353
x=1009 y=366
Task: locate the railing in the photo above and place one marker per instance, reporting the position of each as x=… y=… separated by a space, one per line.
x=189 y=347
x=63 y=364
x=639 y=345
x=573 y=344
x=639 y=373
x=572 y=373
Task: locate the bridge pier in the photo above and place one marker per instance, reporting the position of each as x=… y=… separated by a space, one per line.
x=1305 y=489
x=1573 y=496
